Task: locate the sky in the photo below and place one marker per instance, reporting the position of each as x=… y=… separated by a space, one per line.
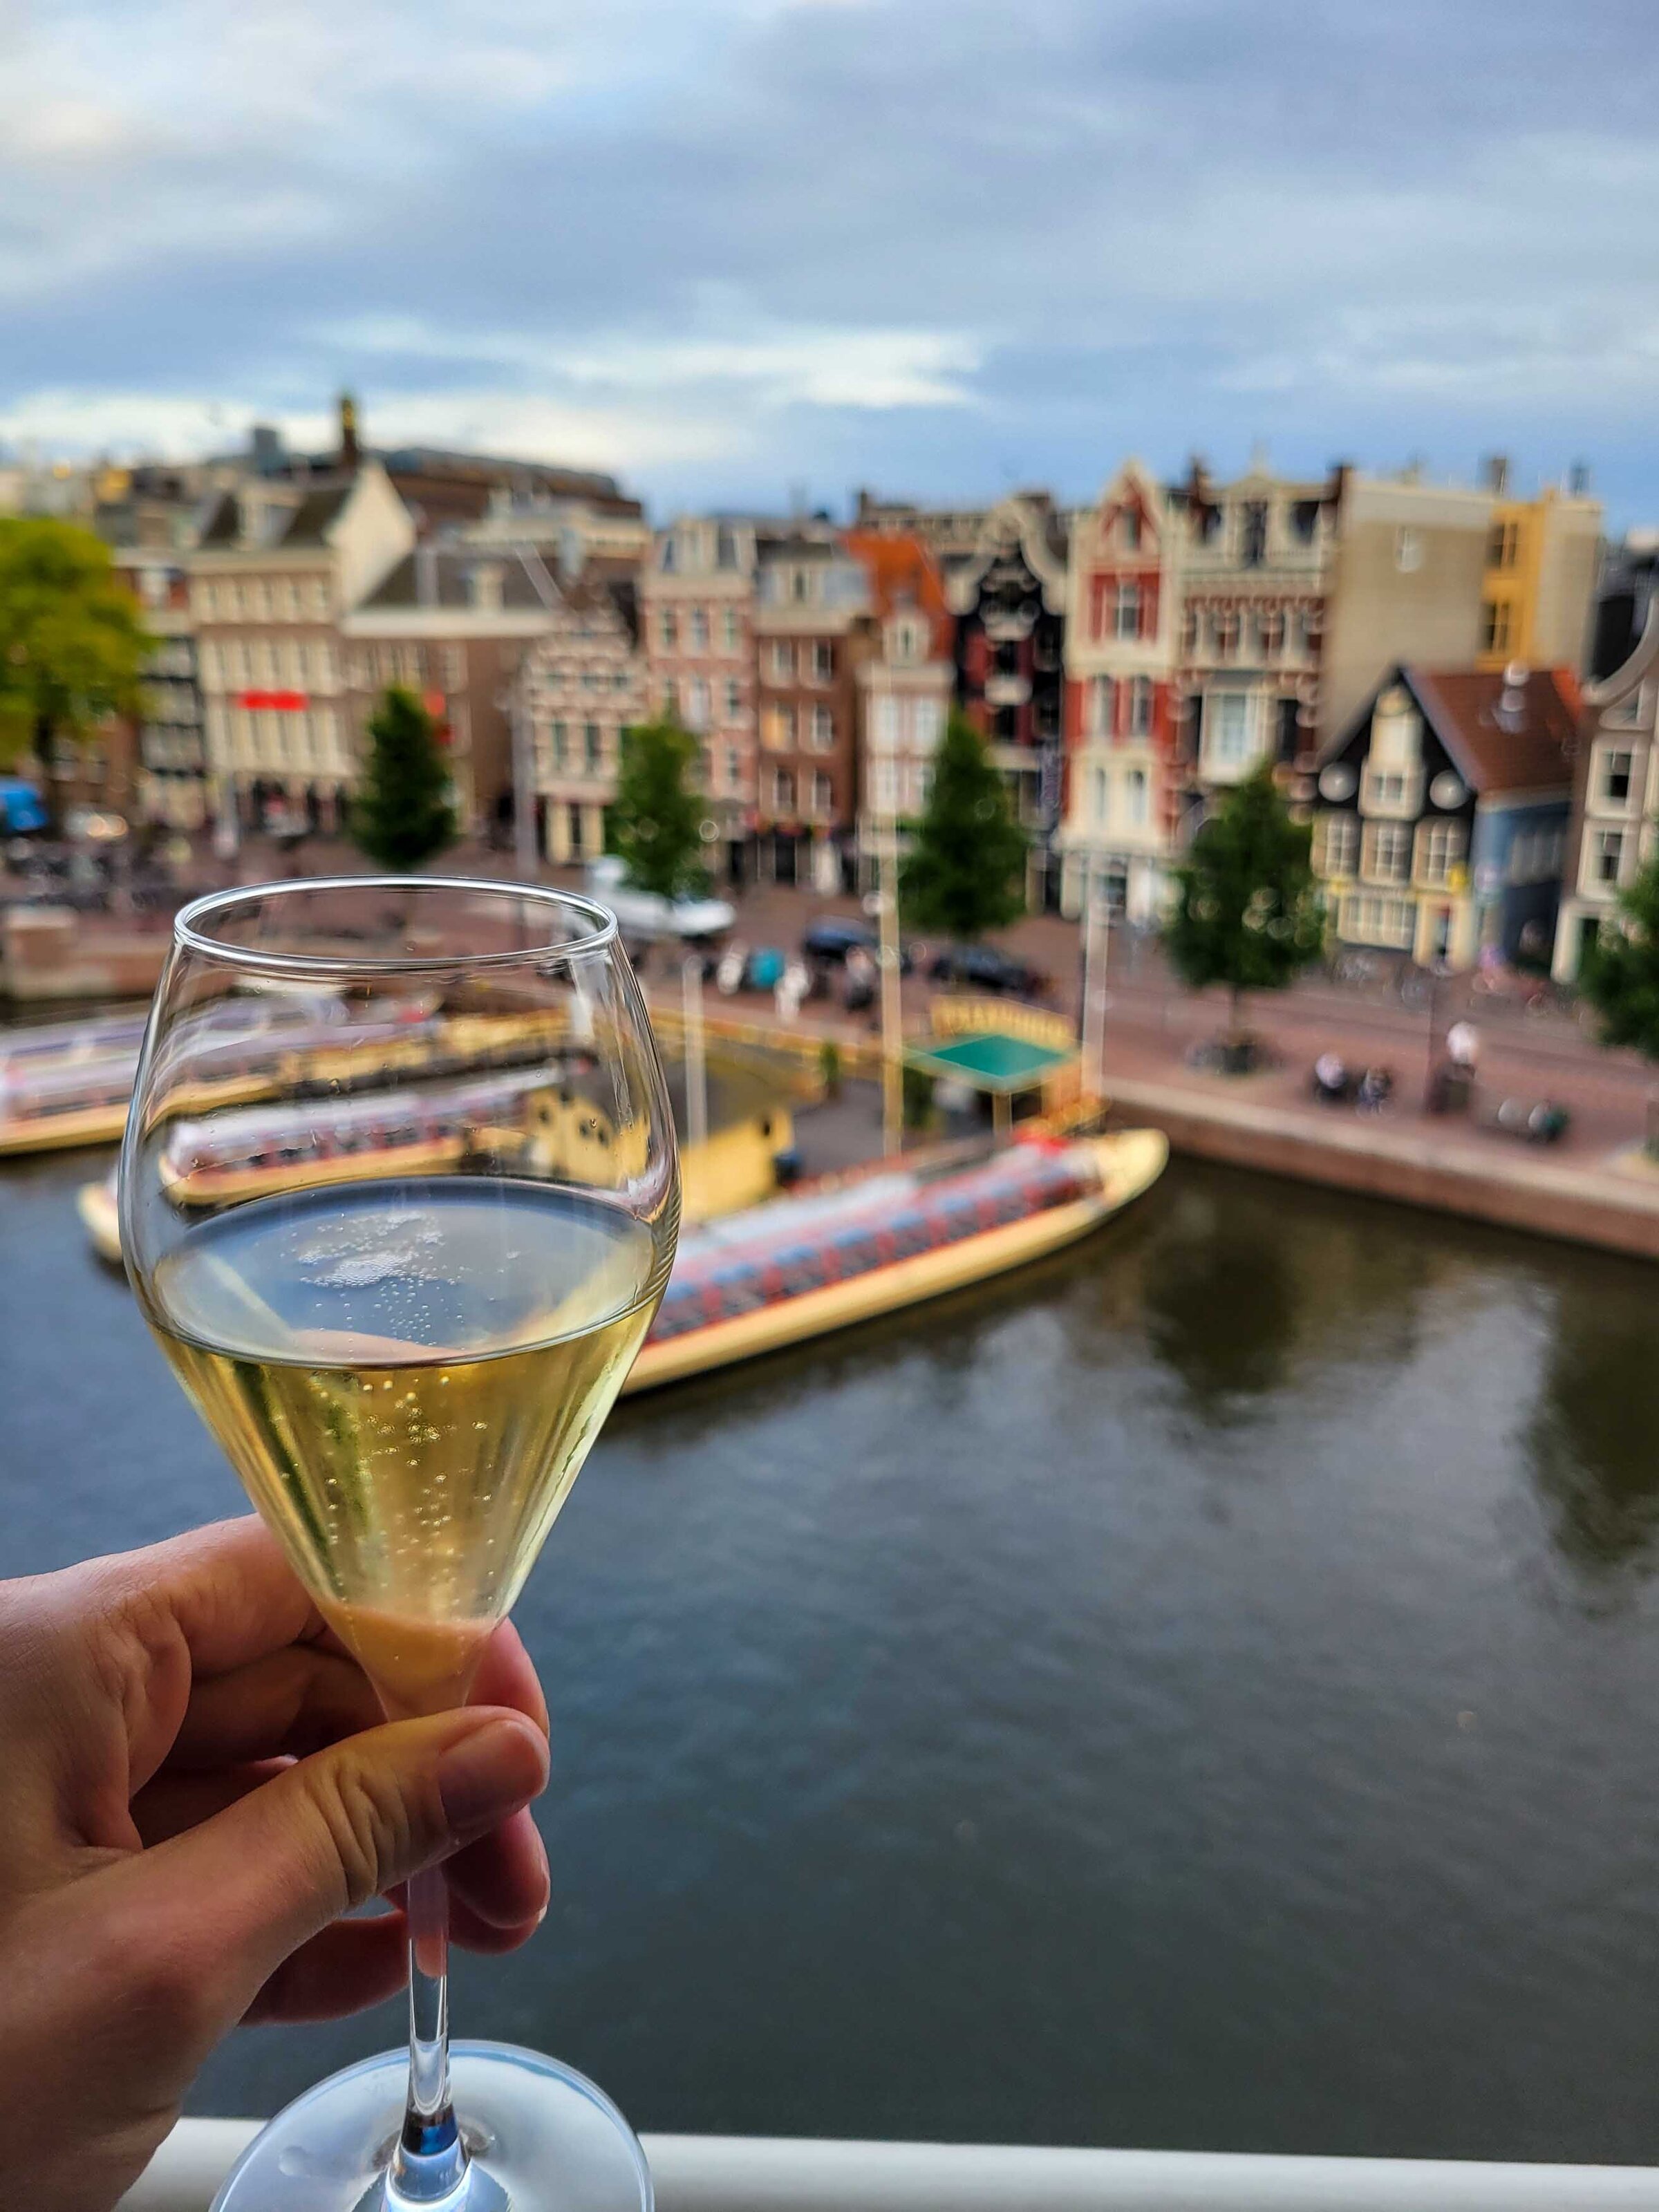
x=743 y=252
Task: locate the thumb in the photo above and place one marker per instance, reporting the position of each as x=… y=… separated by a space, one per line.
x=325 y=1835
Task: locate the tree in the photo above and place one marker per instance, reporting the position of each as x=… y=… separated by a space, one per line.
x=71 y=643
x=964 y=871
x=1619 y=975
x=402 y=813
x=655 y=821
x=1247 y=911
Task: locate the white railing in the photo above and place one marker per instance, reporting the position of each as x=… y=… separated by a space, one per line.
x=737 y=2174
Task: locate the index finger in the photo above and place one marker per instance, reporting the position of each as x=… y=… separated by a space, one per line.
x=225 y=1593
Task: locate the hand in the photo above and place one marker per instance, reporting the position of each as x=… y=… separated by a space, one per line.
x=197 y=1785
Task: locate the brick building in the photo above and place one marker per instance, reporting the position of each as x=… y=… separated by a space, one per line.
x=697 y=594
x=811 y=601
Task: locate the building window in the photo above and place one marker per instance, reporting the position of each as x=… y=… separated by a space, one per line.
x=1189 y=629
x=1307 y=630
x=319 y=598
x=666 y=559
x=1230 y=739
x=1388 y=852
x=1502 y=545
x=782 y=660
x=1129 y=530
x=1253 y=532
x=670 y=698
x=696 y=703
x=1126 y=615
x=1336 y=844
x=1618 y=770
x=824 y=730
x=1228 y=627
x=926 y=723
x=1439 y=850
x=734 y=769
x=922 y=778
x=1101 y=694
x=1407 y=551
x=1134 y=797
x=1606 y=855
x=1495 y=626
x=1270 y=630
x=778 y=729
x=1140 y=706
x=885 y=786
x=1385 y=790
x=1100 y=797
x=668 y=632
x=822 y=661
x=800 y=586
x=733 y=697
x=558 y=744
x=823 y=797
x=783 y=791
x=725 y=548
x=454 y=667
x=697 y=623
x=729 y=632
x=1368 y=919
x=591 y=747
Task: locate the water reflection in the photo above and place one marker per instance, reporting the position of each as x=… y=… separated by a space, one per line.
x=1591 y=1441
x=1234 y=1308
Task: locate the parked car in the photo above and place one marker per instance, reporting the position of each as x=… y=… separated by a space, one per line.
x=830 y=939
x=985 y=969
x=647 y=915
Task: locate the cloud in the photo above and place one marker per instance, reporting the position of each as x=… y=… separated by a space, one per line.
x=722 y=245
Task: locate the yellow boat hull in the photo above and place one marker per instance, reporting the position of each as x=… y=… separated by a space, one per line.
x=1129 y=1163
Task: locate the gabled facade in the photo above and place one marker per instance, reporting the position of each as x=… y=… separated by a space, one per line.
x=811 y=623
x=1616 y=772
x=1120 y=628
x=1256 y=560
x=1009 y=599
x=698 y=618
x=905 y=681
x=277 y=567
x=1441 y=812
x=172 y=765
x=585 y=680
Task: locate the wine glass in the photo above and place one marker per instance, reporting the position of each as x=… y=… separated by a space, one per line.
x=399 y=1195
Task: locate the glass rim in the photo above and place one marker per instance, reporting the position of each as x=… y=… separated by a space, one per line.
x=189 y=935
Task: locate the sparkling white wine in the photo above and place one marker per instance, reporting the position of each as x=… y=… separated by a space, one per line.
x=408 y=1375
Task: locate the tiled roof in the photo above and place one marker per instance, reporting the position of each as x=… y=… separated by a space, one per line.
x=316 y=511
x=443 y=576
x=903 y=570
x=1503 y=737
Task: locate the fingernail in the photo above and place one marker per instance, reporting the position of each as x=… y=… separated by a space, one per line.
x=489 y=1774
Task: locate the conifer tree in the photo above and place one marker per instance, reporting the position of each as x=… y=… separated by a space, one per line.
x=403 y=814
x=964 y=871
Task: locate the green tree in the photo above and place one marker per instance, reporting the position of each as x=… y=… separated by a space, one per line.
x=1247 y=910
x=654 y=825
x=403 y=814
x=72 y=643
x=1620 y=977
x=965 y=869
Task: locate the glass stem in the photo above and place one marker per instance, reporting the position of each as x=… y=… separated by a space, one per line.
x=429 y=2164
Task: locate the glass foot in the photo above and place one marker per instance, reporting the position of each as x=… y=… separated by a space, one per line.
x=541 y=2137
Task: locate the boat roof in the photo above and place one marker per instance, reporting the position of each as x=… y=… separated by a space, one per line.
x=990 y=1060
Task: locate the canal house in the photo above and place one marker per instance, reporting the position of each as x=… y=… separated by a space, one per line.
x=1441 y=811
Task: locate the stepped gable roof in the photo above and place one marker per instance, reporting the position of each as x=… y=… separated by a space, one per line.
x=1509 y=730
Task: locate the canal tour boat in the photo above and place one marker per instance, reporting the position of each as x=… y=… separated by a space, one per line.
x=799 y=1268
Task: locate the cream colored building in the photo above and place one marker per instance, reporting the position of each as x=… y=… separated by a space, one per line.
x=586 y=683
x=696 y=617
x=278 y=566
x=1404 y=585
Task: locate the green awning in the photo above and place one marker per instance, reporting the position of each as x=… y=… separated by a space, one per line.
x=989 y=1060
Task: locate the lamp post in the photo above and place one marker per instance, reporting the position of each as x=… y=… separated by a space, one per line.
x=888 y=958
x=1096 y=953
x=697 y=1058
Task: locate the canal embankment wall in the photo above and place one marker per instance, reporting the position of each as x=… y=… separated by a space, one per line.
x=1601 y=1204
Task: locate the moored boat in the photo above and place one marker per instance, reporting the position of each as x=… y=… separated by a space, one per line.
x=800 y=1268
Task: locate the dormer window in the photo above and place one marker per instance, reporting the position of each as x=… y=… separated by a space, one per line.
x=1129 y=529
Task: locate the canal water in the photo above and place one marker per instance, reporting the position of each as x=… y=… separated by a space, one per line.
x=1202 y=1691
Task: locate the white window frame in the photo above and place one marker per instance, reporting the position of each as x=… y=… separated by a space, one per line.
x=1126 y=608
x=1137 y=798
x=1397 y=873
x=1440 y=847
x=1607 y=752
x=1140 y=706
x=1343 y=862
